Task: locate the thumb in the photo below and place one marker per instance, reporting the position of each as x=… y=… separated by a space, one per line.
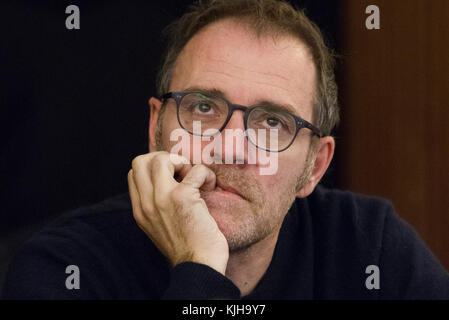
x=200 y=177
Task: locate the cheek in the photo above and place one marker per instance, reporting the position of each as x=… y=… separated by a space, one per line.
x=295 y=156
x=290 y=168
x=285 y=179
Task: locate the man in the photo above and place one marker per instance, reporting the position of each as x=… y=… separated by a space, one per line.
x=234 y=210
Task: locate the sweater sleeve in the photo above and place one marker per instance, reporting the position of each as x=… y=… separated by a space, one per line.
x=189 y=280
x=408 y=269
x=54 y=267
x=39 y=272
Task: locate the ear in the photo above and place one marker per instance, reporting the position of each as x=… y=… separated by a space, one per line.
x=155 y=106
x=324 y=154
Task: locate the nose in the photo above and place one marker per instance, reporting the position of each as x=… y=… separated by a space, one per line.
x=234 y=143
x=236 y=121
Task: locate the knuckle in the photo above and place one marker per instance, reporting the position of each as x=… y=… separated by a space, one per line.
x=178 y=159
x=198 y=168
x=201 y=169
x=159 y=156
x=137 y=162
x=130 y=174
x=147 y=208
x=158 y=161
x=142 y=161
x=156 y=164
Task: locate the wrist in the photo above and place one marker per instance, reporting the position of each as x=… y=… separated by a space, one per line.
x=218 y=263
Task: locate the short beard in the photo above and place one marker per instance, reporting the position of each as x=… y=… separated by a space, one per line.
x=263 y=217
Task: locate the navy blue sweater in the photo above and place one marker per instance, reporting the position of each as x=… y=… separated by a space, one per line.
x=326 y=243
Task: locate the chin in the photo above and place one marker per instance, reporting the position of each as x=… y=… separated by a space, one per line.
x=226 y=214
x=236 y=221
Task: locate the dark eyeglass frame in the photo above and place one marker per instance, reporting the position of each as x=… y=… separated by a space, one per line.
x=300 y=123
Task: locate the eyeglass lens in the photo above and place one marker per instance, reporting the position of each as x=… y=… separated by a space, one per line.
x=268 y=127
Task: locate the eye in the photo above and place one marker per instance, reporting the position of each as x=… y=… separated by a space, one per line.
x=277 y=121
x=273 y=123
x=203 y=108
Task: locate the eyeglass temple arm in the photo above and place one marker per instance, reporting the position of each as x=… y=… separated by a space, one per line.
x=165 y=96
x=314 y=129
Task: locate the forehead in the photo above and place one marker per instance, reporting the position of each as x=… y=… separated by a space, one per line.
x=228 y=56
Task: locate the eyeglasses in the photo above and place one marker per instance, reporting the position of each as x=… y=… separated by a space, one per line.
x=267 y=127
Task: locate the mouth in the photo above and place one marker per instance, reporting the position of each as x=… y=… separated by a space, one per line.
x=227 y=191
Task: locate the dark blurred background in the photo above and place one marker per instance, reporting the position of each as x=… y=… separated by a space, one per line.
x=74 y=113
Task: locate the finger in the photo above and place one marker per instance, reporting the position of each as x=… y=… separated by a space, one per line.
x=200 y=177
x=163 y=169
x=142 y=180
x=145 y=221
x=135 y=198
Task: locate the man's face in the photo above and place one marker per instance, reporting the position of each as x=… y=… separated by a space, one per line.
x=228 y=57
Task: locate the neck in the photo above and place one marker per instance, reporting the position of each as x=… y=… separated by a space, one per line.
x=246 y=267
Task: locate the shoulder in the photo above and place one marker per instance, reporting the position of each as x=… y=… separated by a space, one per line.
x=352 y=231
x=325 y=199
x=102 y=240
x=113 y=208
x=357 y=214
x=98 y=225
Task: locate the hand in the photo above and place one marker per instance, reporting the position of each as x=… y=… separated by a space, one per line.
x=172 y=214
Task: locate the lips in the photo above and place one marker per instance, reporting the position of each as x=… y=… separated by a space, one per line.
x=225 y=188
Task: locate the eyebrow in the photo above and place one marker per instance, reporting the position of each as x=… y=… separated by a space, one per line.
x=218 y=93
